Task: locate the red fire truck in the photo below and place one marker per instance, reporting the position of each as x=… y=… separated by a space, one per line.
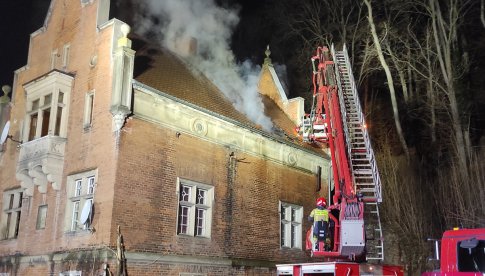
x=336 y=121
x=338 y=269
x=462 y=253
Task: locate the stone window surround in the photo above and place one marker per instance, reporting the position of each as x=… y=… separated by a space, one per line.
x=41 y=217
x=192 y=206
x=12 y=205
x=88 y=109
x=54 y=83
x=81 y=188
x=288 y=222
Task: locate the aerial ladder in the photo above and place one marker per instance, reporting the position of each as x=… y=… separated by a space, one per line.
x=337 y=121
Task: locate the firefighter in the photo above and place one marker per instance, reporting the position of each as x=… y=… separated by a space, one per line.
x=319 y=218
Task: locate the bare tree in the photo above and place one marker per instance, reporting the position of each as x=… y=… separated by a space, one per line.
x=482 y=12
x=407 y=216
x=444 y=30
x=390 y=81
x=400 y=72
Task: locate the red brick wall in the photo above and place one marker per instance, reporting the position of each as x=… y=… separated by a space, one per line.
x=245 y=215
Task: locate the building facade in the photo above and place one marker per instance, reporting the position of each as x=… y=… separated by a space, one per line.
x=129 y=162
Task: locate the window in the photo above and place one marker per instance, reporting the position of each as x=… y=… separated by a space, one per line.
x=471 y=255
x=41 y=217
x=88 y=109
x=53 y=59
x=40 y=111
x=70 y=273
x=47 y=105
x=194 y=209
x=65 y=56
x=81 y=190
x=12 y=205
x=291 y=228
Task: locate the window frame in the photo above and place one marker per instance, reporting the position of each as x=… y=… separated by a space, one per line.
x=88 y=110
x=46 y=125
x=54 y=56
x=71 y=273
x=193 y=224
x=291 y=225
x=12 y=213
x=65 y=55
x=41 y=217
x=55 y=86
x=81 y=188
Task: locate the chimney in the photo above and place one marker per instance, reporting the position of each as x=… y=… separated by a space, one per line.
x=186 y=46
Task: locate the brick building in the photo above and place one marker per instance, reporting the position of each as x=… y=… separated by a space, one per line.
x=121 y=137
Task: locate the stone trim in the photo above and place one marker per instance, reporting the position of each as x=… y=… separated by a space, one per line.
x=108 y=255
x=163 y=109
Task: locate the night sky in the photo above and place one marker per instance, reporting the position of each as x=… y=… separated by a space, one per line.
x=19 y=19
x=23 y=17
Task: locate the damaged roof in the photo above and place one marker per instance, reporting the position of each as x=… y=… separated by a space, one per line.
x=166 y=72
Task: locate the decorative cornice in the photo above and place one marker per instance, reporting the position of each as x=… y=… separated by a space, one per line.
x=161 y=108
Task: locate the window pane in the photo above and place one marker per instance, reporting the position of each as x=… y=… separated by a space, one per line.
x=87 y=223
x=293 y=214
x=75 y=215
x=33 y=126
x=184 y=193
x=65 y=57
x=7 y=227
x=46 y=114
x=20 y=199
x=35 y=105
x=183 y=220
x=60 y=98
x=88 y=116
x=90 y=185
x=78 y=187
x=17 y=224
x=471 y=259
x=283 y=231
x=200 y=222
x=48 y=99
x=41 y=216
x=57 y=130
x=10 y=204
x=283 y=213
x=293 y=235
x=201 y=195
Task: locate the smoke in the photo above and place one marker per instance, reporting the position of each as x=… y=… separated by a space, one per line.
x=200 y=31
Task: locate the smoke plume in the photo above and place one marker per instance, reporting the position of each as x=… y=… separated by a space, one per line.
x=200 y=31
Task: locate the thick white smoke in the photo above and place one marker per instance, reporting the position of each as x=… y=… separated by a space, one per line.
x=202 y=22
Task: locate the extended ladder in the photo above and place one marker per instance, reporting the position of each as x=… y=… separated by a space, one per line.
x=361 y=156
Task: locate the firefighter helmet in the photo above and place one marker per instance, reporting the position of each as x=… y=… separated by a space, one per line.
x=321 y=202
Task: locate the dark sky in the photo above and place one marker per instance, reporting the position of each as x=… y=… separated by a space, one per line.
x=19 y=19
x=23 y=17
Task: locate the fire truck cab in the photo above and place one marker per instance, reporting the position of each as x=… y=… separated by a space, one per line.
x=462 y=253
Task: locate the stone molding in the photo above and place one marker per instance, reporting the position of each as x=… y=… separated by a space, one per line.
x=41 y=162
x=155 y=106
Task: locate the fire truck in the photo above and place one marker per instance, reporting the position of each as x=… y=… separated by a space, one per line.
x=336 y=122
x=462 y=253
